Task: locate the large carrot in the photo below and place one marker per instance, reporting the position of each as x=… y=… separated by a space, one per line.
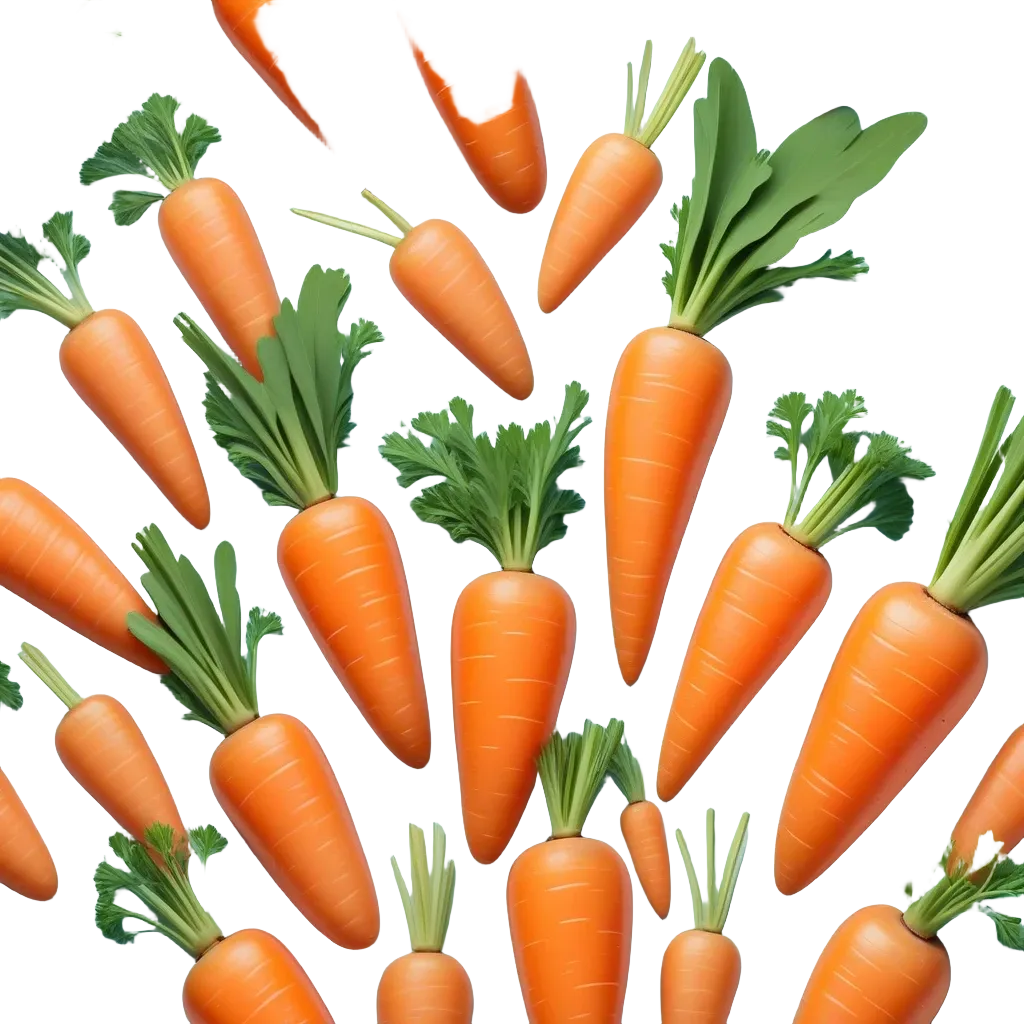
x=513 y=631
x=570 y=902
x=773 y=582
x=338 y=556
x=426 y=986
x=671 y=388
x=643 y=828
x=245 y=978
x=700 y=971
x=907 y=671
x=444 y=278
x=202 y=221
x=110 y=364
x=50 y=561
x=269 y=774
x=613 y=183
x=884 y=967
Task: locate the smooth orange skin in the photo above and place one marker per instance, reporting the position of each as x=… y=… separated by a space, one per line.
x=252 y=977
x=341 y=564
x=700 y=974
x=766 y=594
x=425 y=988
x=513 y=637
x=906 y=673
x=643 y=828
x=875 y=970
x=113 y=368
x=47 y=559
x=611 y=186
x=275 y=783
x=668 y=400
x=444 y=278
x=25 y=863
x=213 y=243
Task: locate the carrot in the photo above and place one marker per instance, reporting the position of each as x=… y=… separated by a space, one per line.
x=248 y=976
x=426 y=986
x=700 y=971
x=773 y=582
x=570 y=902
x=884 y=967
x=644 y=831
x=269 y=773
x=444 y=278
x=613 y=183
x=338 y=556
x=671 y=388
x=111 y=365
x=48 y=560
x=907 y=671
x=513 y=631
x=202 y=221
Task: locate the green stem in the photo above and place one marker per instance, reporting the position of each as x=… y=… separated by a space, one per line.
x=43 y=667
x=711 y=916
x=628 y=126
x=428 y=901
x=351 y=226
x=396 y=218
x=641 y=89
x=684 y=74
x=691 y=876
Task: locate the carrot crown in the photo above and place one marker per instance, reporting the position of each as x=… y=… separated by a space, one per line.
x=24 y=286
x=982 y=558
x=624 y=770
x=875 y=479
x=684 y=74
x=428 y=900
x=163 y=888
x=284 y=434
x=361 y=229
x=148 y=143
x=43 y=668
x=965 y=888
x=10 y=691
x=572 y=772
x=711 y=916
x=748 y=208
x=209 y=675
x=504 y=495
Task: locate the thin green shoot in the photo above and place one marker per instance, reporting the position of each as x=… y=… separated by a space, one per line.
x=710 y=916
x=43 y=668
x=362 y=229
x=428 y=900
x=683 y=75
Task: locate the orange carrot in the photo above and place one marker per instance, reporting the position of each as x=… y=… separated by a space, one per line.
x=613 y=183
x=269 y=774
x=773 y=581
x=110 y=364
x=444 y=278
x=570 y=902
x=906 y=673
x=248 y=976
x=426 y=986
x=513 y=631
x=671 y=388
x=338 y=556
x=700 y=971
x=644 y=831
x=50 y=561
x=202 y=221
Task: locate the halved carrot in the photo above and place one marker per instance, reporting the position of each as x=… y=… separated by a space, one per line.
x=445 y=279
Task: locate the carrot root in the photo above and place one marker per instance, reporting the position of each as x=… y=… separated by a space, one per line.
x=25 y=863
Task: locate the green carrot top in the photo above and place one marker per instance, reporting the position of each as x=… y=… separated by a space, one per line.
x=284 y=434
x=684 y=74
x=428 y=900
x=875 y=478
x=503 y=495
x=44 y=669
x=711 y=916
x=573 y=770
x=10 y=691
x=209 y=674
x=965 y=888
x=162 y=887
x=748 y=208
x=149 y=144
x=624 y=770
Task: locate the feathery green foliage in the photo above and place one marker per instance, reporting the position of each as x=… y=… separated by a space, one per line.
x=428 y=900
x=624 y=770
x=711 y=916
x=10 y=691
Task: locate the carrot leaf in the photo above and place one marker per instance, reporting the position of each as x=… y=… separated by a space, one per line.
x=503 y=495
x=624 y=770
x=284 y=434
x=710 y=916
x=44 y=669
x=749 y=207
x=428 y=900
x=205 y=842
x=162 y=887
x=149 y=143
x=24 y=286
x=10 y=691
x=684 y=74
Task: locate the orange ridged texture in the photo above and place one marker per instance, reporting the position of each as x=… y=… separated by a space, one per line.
x=700 y=974
x=25 y=863
x=425 y=988
x=643 y=828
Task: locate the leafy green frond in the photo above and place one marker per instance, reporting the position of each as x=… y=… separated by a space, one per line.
x=504 y=495
x=673 y=251
x=428 y=900
x=10 y=691
x=626 y=773
x=711 y=916
x=684 y=74
x=205 y=842
x=128 y=206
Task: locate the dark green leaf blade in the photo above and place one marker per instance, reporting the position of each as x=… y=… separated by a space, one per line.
x=10 y=691
x=205 y=842
x=128 y=207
